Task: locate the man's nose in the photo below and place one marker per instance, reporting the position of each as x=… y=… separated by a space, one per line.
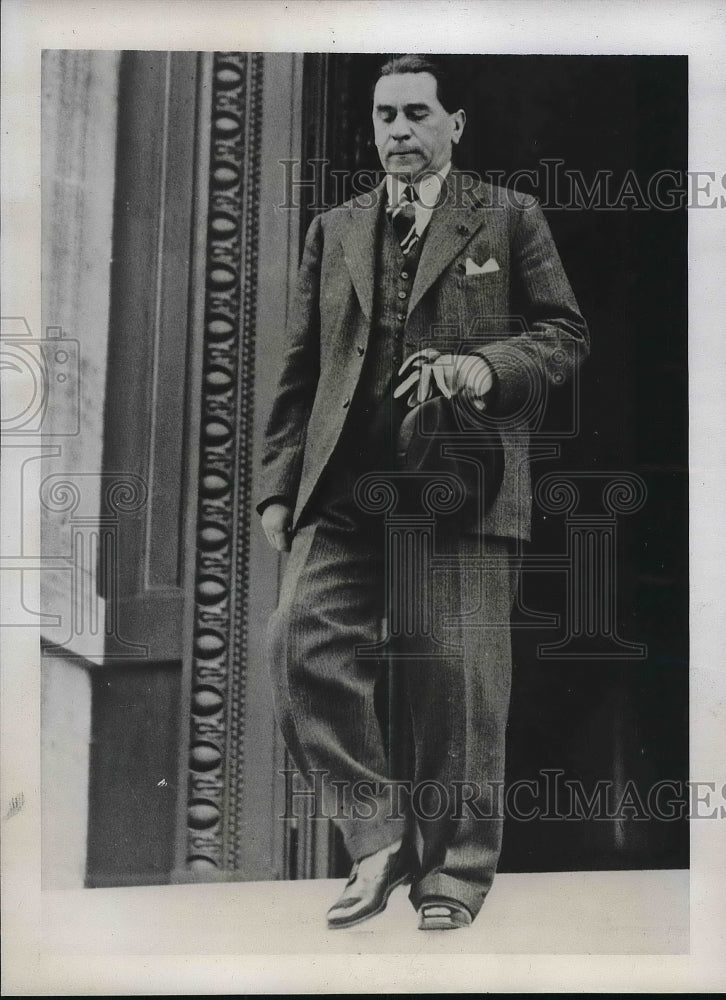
x=400 y=127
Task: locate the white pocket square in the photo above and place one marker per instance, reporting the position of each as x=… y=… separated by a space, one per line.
x=488 y=267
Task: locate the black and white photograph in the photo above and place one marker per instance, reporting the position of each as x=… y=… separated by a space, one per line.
x=362 y=431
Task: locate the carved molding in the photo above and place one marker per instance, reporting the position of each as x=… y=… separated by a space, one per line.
x=217 y=718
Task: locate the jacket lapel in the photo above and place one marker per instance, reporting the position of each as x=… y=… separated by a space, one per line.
x=451 y=227
x=359 y=244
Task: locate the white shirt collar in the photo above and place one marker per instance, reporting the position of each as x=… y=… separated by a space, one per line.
x=427 y=189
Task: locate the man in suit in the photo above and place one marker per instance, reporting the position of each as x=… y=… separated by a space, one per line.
x=433 y=286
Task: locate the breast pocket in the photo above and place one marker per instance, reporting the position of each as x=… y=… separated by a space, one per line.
x=483 y=299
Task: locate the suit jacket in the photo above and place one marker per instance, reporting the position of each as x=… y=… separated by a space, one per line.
x=521 y=317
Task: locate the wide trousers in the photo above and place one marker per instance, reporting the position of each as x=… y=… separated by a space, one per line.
x=454 y=673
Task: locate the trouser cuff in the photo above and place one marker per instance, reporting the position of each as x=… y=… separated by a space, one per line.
x=439 y=884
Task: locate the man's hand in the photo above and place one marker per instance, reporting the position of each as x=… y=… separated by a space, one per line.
x=276 y=520
x=465 y=374
x=472 y=379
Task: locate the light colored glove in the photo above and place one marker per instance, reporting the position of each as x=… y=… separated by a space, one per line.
x=429 y=371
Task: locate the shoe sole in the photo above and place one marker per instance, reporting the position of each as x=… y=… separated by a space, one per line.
x=340 y=924
x=442 y=922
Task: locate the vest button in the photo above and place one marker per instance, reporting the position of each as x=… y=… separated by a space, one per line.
x=400 y=317
x=402 y=295
x=404 y=275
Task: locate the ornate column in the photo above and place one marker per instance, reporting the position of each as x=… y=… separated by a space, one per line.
x=221 y=575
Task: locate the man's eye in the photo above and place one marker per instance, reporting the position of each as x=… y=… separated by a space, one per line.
x=417 y=116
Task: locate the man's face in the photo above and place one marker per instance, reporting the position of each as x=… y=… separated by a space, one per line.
x=413 y=131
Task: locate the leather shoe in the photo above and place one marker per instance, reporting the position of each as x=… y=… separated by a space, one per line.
x=438 y=913
x=365 y=895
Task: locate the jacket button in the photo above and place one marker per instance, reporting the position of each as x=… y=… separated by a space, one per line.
x=361 y=351
x=462 y=230
x=346 y=402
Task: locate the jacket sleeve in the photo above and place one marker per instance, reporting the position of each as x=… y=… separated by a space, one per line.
x=286 y=430
x=555 y=339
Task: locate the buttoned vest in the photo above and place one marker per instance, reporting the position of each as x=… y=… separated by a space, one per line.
x=374 y=417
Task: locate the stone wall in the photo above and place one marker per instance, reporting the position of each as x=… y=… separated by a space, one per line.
x=78 y=151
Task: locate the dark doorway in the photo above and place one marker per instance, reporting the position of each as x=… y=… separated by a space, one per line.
x=617 y=124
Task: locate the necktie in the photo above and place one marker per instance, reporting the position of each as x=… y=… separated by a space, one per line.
x=403 y=220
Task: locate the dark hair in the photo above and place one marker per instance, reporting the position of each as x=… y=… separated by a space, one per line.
x=447 y=90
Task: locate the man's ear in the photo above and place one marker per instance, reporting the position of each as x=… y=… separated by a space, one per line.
x=459 y=123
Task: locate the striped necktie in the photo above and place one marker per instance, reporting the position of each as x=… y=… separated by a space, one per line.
x=403 y=220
